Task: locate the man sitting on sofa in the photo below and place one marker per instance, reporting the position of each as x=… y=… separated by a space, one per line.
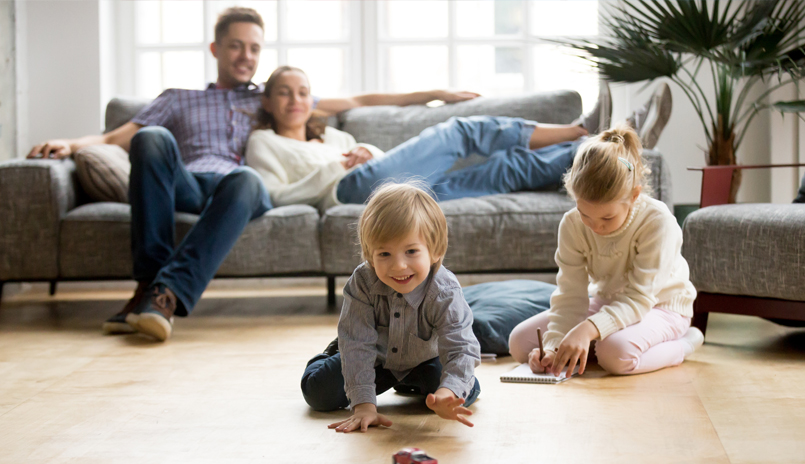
x=186 y=150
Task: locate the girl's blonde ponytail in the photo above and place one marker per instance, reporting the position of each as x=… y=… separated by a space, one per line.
x=608 y=167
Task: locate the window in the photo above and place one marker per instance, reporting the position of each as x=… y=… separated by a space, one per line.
x=172 y=38
x=347 y=47
x=491 y=47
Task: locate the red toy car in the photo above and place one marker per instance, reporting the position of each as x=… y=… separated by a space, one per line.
x=412 y=456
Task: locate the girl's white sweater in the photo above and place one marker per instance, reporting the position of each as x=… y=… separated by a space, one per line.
x=634 y=269
x=297 y=172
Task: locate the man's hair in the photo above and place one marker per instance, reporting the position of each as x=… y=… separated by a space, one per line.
x=235 y=14
x=396 y=210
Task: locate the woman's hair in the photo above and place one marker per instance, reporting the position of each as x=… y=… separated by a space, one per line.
x=397 y=209
x=608 y=167
x=314 y=127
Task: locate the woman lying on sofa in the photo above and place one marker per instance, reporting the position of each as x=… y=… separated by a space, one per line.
x=303 y=161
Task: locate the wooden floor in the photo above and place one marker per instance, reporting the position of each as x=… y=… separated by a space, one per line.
x=225 y=388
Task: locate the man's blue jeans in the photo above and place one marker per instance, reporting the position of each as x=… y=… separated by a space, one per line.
x=323 y=382
x=159 y=186
x=511 y=166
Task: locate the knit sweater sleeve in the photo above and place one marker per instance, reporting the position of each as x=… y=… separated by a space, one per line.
x=569 y=302
x=657 y=244
x=346 y=142
x=263 y=154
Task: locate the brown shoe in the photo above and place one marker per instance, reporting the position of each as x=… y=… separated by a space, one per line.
x=118 y=324
x=156 y=313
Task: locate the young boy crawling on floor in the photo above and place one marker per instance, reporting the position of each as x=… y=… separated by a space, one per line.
x=404 y=323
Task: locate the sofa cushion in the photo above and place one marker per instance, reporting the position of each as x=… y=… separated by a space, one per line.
x=388 y=126
x=103 y=171
x=121 y=110
x=497 y=307
x=750 y=249
x=95 y=242
x=660 y=177
x=509 y=232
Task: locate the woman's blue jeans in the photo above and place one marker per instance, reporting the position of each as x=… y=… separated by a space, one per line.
x=159 y=186
x=323 y=382
x=511 y=166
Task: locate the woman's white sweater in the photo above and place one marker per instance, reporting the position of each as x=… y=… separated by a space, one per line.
x=297 y=172
x=634 y=269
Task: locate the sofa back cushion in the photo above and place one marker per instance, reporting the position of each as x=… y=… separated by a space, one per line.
x=121 y=110
x=388 y=126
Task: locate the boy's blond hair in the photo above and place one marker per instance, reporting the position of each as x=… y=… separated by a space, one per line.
x=608 y=167
x=397 y=209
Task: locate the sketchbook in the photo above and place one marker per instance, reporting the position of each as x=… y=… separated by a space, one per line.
x=523 y=374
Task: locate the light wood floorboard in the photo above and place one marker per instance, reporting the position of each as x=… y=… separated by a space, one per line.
x=225 y=388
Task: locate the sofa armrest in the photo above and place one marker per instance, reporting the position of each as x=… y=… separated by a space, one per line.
x=660 y=177
x=34 y=196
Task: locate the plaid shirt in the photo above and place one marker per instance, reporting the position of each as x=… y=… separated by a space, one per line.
x=379 y=326
x=211 y=126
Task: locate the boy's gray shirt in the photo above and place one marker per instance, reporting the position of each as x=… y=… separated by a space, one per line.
x=379 y=326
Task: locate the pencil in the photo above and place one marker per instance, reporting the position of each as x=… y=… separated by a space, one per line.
x=541 y=349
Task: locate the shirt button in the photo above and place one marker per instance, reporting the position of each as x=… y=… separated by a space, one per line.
x=396 y=314
x=399 y=295
x=394 y=350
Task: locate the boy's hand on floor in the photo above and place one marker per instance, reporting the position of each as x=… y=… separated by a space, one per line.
x=363 y=416
x=447 y=406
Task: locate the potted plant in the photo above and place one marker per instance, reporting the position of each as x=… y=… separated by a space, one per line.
x=743 y=43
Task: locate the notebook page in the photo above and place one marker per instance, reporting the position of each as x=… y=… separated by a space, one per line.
x=523 y=374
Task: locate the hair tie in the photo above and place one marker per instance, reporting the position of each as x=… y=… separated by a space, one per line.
x=615 y=138
x=626 y=162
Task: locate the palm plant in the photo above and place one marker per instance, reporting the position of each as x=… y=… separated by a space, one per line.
x=744 y=44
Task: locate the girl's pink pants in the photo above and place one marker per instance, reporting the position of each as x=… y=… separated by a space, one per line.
x=649 y=345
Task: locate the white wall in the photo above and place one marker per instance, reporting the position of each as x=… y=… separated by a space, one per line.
x=8 y=89
x=63 y=72
x=785 y=148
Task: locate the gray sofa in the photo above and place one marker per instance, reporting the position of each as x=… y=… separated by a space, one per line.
x=51 y=233
x=745 y=258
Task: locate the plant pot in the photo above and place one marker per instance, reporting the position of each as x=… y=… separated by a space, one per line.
x=722 y=152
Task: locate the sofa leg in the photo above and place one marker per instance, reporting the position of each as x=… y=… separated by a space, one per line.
x=700 y=321
x=331 y=293
x=53 y=284
x=699 y=315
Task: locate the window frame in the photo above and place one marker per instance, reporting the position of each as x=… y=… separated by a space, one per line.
x=525 y=41
x=365 y=49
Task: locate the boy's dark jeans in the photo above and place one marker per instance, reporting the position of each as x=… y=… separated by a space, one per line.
x=323 y=383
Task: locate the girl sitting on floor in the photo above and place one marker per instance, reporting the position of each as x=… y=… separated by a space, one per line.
x=627 y=247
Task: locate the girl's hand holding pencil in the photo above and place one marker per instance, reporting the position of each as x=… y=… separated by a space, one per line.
x=537 y=365
x=538 y=359
x=574 y=349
